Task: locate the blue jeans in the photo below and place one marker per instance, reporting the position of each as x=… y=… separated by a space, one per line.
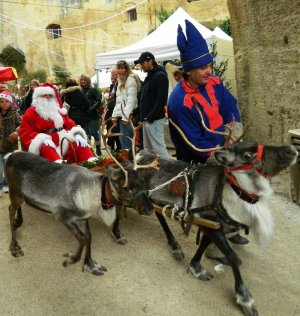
x=3 y=181
x=91 y=129
x=153 y=137
x=126 y=130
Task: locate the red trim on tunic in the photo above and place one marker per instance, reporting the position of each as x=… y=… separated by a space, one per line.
x=210 y=110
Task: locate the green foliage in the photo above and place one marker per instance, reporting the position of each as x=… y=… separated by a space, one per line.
x=61 y=74
x=11 y=57
x=163 y=14
x=225 y=26
x=219 y=68
x=39 y=74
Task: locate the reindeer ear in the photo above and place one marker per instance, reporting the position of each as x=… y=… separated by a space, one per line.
x=113 y=173
x=127 y=164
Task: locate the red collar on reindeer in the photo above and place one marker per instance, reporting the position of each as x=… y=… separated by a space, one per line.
x=244 y=195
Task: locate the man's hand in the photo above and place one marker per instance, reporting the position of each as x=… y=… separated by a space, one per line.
x=80 y=141
x=49 y=142
x=14 y=135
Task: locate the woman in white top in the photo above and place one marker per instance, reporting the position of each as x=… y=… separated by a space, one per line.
x=126 y=101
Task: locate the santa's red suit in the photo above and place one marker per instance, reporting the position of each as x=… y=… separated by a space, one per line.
x=46 y=122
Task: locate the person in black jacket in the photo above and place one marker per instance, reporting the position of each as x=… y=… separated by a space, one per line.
x=77 y=102
x=94 y=97
x=153 y=100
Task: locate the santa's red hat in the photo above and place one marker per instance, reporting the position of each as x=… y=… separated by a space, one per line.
x=48 y=88
x=6 y=95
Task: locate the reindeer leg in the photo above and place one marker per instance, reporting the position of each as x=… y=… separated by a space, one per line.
x=244 y=297
x=14 y=247
x=176 y=248
x=19 y=218
x=116 y=233
x=91 y=265
x=195 y=266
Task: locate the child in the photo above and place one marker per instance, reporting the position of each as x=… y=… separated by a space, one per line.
x=9 y=125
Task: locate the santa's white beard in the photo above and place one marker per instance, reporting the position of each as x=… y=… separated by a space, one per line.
x=48 y=109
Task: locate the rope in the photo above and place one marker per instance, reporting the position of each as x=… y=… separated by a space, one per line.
x=175 y=207
x=70 y=144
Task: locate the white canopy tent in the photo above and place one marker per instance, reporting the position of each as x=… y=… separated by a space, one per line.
x=161 y=42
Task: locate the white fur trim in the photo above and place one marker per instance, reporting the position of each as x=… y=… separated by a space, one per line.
x=37 y=142
x=63 y=111
x=39 y=91
x=6 y=97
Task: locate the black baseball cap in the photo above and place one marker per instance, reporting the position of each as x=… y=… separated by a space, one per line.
x=145 y=56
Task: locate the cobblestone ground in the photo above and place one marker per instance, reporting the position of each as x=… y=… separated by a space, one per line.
x=142 y=277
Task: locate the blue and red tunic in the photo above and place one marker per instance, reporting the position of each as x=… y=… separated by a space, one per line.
x=218 y=107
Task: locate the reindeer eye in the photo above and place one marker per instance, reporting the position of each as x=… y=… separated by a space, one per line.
x=248 y=156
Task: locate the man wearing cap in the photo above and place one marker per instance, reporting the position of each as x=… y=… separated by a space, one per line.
x=152 y=104
x=217 y=105
x=46 y=123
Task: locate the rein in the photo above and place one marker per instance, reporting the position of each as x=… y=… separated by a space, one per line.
x=243 y=194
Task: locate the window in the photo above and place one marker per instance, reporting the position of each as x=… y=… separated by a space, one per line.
x=132 y=15
x=54 y=31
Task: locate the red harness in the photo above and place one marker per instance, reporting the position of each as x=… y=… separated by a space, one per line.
x=244 y=195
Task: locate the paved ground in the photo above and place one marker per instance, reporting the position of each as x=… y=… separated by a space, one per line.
x=142 y=277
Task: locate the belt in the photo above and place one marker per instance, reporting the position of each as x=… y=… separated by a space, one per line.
x=52 y=130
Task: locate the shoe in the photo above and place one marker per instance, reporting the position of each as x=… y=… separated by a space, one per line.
x=238 y=240
x=5 y=189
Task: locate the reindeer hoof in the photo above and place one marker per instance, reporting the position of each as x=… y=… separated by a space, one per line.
x=246 y=302
x=94 y=268
x=16 y=250
x=178 y=254
x=120 y=239
x=200 y=273
x=71 y=259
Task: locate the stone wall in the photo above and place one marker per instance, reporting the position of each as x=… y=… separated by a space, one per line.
x=267 y=57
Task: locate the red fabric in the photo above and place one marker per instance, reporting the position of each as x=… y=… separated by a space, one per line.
x=211 y=110
x=81 y=153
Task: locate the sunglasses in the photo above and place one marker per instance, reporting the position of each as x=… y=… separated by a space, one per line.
x=121 y=62
x=47 y=96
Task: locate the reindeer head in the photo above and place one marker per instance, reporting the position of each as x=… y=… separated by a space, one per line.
x=127 y=189
x=268 y=159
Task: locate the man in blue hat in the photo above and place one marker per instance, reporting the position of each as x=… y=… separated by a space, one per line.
x=217 y=105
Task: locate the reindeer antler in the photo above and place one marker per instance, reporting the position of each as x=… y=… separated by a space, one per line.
x=192 y=145
x=154 y=163
x=107 y=135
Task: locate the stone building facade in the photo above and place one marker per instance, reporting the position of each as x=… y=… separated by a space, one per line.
x=267 y=57
x=78 y=29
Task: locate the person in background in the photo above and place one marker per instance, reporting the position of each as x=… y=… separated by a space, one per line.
x=94 y=96
x=153 y=100
x=27 y=99
x=77 y=102
x=112 y=142
x=126 y=101
x=46 y=123
x=177 y=74
x=10 y=121
x=217 y=105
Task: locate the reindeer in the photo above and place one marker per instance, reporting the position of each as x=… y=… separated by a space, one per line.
x=72 y=194
x=233 y=193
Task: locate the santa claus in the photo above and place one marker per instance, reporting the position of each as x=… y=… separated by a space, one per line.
x=46 y=123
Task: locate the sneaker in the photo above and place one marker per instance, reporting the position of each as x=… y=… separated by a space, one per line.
x=5 y=189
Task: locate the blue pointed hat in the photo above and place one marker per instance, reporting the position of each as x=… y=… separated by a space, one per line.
x=193 y=49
